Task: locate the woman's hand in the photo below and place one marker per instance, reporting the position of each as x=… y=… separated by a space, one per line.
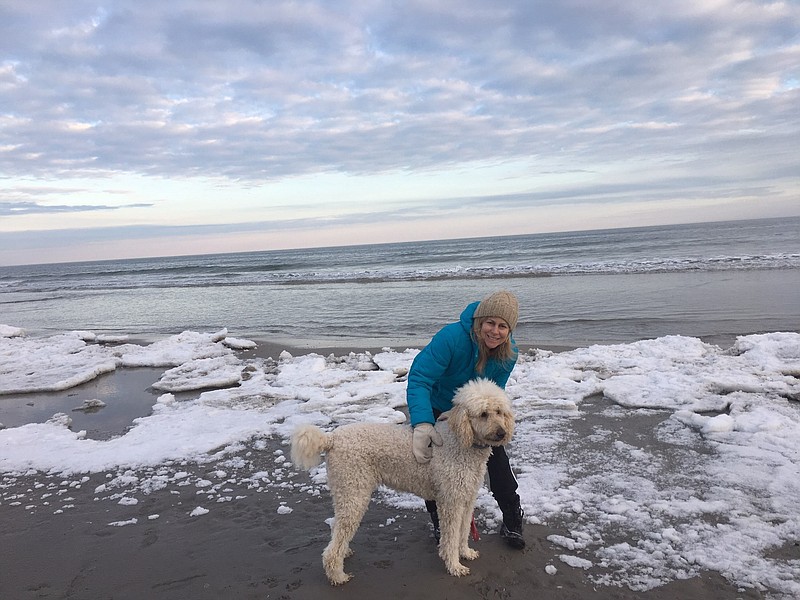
x=424 y=437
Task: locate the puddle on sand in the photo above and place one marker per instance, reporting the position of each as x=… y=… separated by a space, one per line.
x=126 y=393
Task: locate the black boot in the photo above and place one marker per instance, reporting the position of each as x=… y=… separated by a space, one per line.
x=431 y=506
x=511 y=530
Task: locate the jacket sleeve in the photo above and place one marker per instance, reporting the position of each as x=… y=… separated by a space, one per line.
x=427 y=368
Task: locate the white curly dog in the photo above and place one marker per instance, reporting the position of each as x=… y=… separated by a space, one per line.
x=362 y=456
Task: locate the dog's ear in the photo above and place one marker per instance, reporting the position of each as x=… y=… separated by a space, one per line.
x=458 y=420
x=508 y=419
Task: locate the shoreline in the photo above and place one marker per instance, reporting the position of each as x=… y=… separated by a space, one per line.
x=270 y=349
x=271 y=346
x=128 y=393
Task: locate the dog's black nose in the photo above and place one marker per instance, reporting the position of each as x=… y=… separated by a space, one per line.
x=500 y=434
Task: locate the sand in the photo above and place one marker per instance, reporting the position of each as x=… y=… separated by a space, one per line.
x=246 y=548
x=57 y=541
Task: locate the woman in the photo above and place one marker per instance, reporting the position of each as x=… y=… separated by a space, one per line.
x=480 y=344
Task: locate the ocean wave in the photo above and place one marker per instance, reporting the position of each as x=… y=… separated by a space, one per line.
x=254 y=274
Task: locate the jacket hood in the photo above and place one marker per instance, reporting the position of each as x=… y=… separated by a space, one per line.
x=467 y=315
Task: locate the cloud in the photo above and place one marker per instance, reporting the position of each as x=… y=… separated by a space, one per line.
x=131 y=233
x=441 y=210
x=32 y=208
x=603 y=102
x=254 y=92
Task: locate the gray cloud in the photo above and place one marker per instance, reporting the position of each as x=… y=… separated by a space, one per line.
x=33 y=208
x=253 y=91
x=22 y=240
x=420 y=210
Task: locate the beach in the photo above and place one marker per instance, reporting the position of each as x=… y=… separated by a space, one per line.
x=624 y=497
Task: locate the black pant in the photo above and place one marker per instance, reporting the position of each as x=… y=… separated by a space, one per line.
x=502 y=481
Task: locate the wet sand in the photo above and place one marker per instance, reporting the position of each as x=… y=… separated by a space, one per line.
x=246 y=548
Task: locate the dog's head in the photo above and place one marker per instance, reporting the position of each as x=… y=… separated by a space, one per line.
x=481 y=415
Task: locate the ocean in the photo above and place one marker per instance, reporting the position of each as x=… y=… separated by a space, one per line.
x=709 y=280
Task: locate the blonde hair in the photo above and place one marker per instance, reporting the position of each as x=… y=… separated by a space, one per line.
x=504 y=352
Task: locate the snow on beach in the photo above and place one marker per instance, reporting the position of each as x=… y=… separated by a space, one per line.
x=656 y=460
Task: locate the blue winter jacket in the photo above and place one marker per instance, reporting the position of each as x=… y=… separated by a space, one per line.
x=447 y=363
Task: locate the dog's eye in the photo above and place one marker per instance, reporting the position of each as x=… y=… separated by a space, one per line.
x=484 y=415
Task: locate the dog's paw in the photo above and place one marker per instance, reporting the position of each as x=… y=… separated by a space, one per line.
x=339 y=578
x=470 y=554
x=458 y=570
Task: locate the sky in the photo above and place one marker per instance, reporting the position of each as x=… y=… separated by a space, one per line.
x=142 y=128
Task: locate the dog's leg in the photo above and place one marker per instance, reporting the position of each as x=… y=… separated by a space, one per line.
x=466 y=524
x=348 y=512
x=450 y=519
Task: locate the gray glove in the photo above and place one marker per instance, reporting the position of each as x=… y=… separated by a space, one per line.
x=423 y=437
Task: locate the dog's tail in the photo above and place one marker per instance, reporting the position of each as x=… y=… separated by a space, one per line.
x=308 y=445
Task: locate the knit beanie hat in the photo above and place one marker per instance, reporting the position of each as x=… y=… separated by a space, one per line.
x=501 y=304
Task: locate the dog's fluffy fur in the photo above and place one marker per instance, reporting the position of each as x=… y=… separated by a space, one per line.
x=362 y=456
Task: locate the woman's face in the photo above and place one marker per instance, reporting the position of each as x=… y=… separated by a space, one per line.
x=494 y=332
